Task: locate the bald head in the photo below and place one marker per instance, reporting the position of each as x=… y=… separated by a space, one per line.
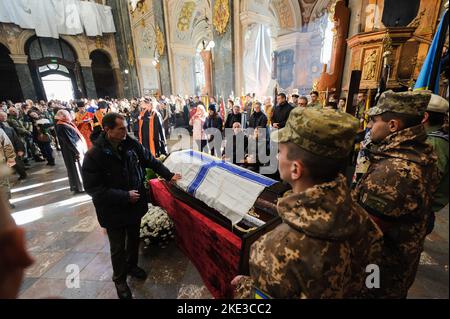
x=3 y=116
x=13 y=111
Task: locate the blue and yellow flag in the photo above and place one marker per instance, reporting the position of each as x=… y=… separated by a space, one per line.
x=429 y=75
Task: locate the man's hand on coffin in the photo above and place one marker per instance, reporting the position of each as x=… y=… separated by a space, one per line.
x=275 y=125
x=134 y=196
x=176 y=178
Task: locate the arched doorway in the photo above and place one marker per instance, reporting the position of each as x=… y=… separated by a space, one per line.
x=51 y=57
x=105 y=83
x=9 y=82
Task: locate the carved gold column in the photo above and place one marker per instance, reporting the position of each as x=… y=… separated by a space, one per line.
x=207 y=62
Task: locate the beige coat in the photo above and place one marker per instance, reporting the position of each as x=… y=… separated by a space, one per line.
x=7 y=153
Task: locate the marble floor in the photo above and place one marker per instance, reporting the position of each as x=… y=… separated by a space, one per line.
x=62 y=230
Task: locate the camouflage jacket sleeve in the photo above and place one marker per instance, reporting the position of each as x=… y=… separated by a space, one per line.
x=440 y=146
x=391 y=189
x=244 y=288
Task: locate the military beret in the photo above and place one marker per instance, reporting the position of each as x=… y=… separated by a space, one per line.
x=411 y=103
x=437 y=104
x=323 y=132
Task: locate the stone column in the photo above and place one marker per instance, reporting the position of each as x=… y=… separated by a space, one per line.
x=223 y=57
x=88 y=77
x=119 y=83
x=125 y=45
x=207 y=62
x=24 y=76
x=164 y=73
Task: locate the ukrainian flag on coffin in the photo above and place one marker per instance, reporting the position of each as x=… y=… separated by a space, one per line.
x=228 y=188
x=429 y=75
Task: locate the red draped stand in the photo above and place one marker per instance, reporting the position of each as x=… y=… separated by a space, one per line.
x=214 y=250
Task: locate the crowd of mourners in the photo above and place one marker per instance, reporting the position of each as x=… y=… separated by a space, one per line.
x=400 y=141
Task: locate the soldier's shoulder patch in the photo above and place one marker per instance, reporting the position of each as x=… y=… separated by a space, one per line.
x=374 y=202
x=260 y=295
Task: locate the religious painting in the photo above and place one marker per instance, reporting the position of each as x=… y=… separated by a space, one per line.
x=138 y=7
x=285 y=74
x=221 y=15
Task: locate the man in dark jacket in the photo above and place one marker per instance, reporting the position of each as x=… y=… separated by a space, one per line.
x=233 y=117
x=114 y=175
x=213 y=121
x=281 y=112
x=258 y=118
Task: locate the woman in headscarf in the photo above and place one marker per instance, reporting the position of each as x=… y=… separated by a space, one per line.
x=197 y=121
x=73 y=147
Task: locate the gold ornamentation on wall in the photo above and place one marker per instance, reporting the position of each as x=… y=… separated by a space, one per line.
x=130 y=55
x=285 y=14
x=160 y=44
x=370 y=64
x=221 y=15
x=315 y=86
x=416 y=22
x=141 y=8
x=184 y=20
x=99 y=42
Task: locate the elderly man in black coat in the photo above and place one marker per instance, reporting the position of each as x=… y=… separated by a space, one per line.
x=73 y=148
x=258 y=119
x=114 y=175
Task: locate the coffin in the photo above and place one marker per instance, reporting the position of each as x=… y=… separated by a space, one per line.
x=237 y=199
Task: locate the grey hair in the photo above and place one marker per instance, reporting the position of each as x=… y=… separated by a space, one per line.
x=63 y=114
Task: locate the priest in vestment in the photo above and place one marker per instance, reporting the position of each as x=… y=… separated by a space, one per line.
x=151 y=131
x=84 y=122
x=98 y=120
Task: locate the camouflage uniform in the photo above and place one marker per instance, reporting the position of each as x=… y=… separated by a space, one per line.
x=325 y=242
x=438 y=138
x=315 y=105
x=397 y=192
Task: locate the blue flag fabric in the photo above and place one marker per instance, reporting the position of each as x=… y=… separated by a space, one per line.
x=433 y=60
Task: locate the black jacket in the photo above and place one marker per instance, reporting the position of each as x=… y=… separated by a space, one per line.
x=258 y=119
x=213 y=122
x=15 y=140
x=108 y=177
x=281 y=114
x=233 y=118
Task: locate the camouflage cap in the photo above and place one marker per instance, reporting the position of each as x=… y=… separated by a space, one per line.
x=323 y=132
x=411 y=103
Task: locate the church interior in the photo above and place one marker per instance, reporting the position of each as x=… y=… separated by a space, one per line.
x=67 y=67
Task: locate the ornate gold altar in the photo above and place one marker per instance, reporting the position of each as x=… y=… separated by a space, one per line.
x=403 y=48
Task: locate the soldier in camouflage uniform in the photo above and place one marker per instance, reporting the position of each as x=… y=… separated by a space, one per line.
x=326 y=241
x=398 y=186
